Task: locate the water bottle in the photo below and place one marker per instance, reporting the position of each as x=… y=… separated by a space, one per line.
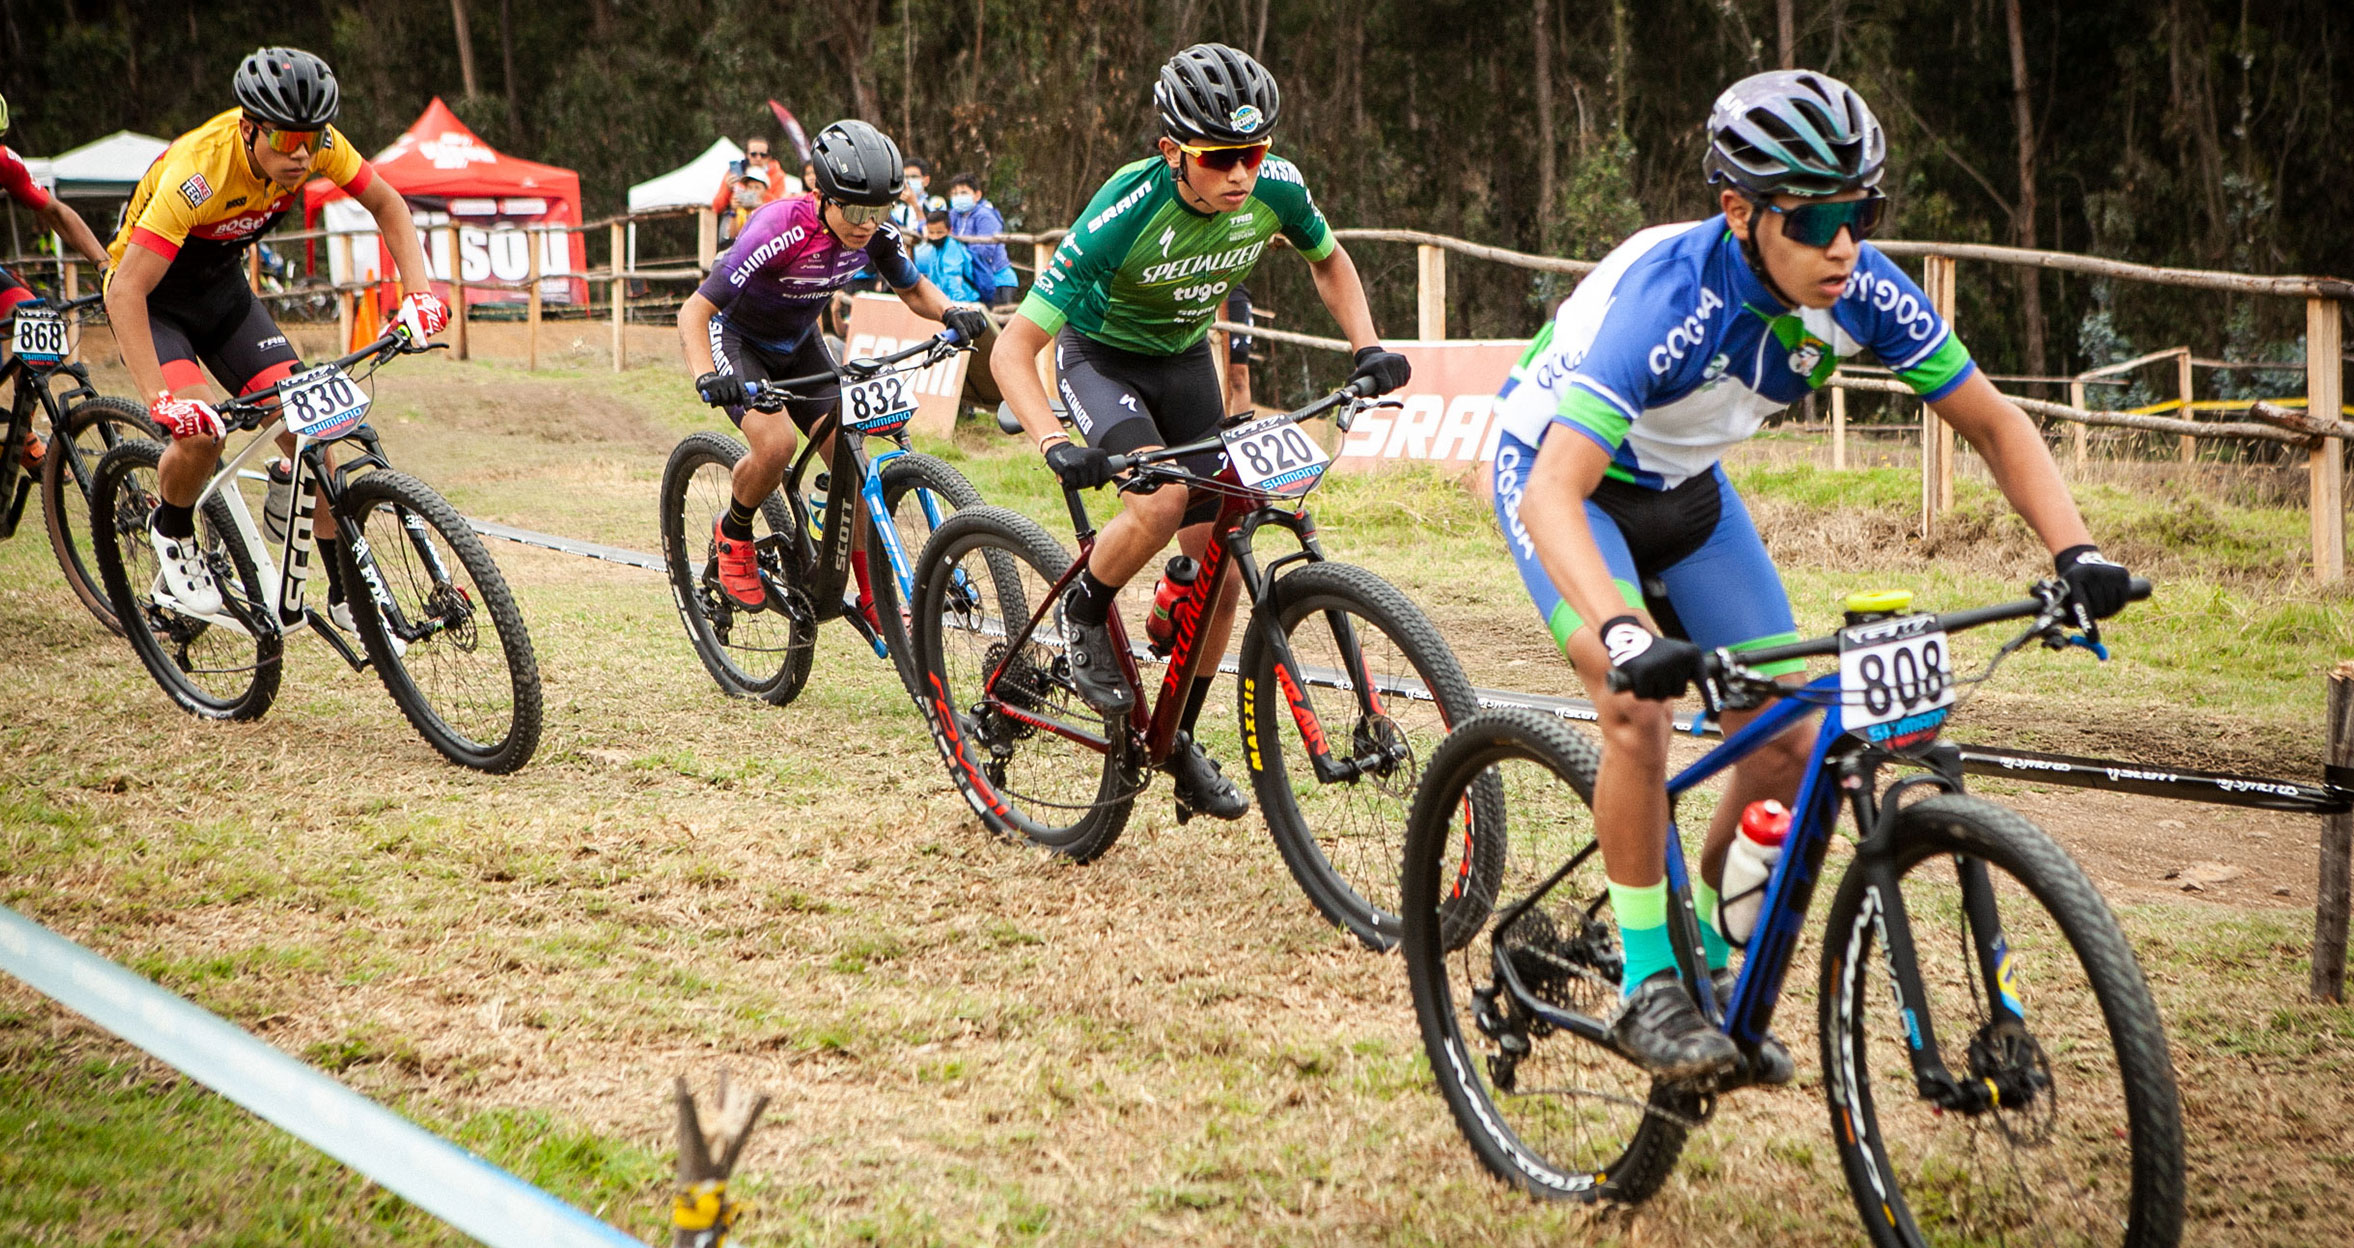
x=278 y=505
x=1747 y=866
x=1160 y=625
x=819 y=486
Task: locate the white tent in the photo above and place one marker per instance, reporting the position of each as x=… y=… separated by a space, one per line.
x=692 y=183
x=107 y=169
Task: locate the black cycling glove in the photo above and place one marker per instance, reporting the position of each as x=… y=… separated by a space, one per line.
x=1080 y=467
x=722 y=390
x=1655 y=667
x=1388 y=369
x=2097 y=588
x=969 y=323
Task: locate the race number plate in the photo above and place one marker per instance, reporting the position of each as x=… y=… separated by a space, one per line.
x=1895 y=680
x=878 y=404
x=39 y=336
x=1276 y=455
x=323 y=402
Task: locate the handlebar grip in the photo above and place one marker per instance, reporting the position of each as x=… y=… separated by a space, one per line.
x=1618 y=681
x=1118 y=464
x=2137 y=589
x=950 y=336
x=1361 y=387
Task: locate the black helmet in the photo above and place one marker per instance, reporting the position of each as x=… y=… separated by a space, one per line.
x=288 y=87
x=1213 y=93
x=858 y=164
x=1794 y=132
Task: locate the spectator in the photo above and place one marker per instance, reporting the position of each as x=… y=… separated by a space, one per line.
x=971 y=216
x=916 y=199
x=948 y=263
x=750 y=192
x=774 y=181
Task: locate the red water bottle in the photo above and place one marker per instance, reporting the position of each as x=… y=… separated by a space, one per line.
x=1160 y=624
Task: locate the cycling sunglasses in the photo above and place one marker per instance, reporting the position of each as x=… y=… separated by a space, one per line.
x=862 y=214
x=1223 y=159
x=289 y=142
x=1815 y=225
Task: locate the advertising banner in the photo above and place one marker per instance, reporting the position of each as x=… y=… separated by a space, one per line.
x=1448 y=417
x=880 y=325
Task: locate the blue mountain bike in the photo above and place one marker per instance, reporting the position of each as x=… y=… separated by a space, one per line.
x=1995 y=1068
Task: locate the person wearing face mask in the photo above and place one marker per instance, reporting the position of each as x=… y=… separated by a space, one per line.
x=972 y=216
x=775 y=183
x=1634 y=546
x=916 y=200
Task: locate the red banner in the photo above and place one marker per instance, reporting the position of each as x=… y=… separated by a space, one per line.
x=1449 y=413
x=880 y=325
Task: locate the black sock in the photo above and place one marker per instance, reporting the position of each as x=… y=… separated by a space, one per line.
x=174 y=522
x=328 y=564
x=737 y=523
x=1090 y=602
x=1194 y=698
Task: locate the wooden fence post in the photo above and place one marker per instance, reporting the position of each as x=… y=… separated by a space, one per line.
x=458 y=290
x=620 y=304
x=1937 y=281
x=2076 y=434
x=1430 y=292
x=72 y=274
x=535 y=238
x=343 y=298
x=2182 y=379
x=706 y=239
x=253 y=268
x=1838 y=428
x=2325 y=376
x=2331 y=895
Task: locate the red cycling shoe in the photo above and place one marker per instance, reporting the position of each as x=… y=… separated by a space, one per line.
x=739 y=570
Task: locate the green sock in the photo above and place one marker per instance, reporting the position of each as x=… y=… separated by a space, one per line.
x=1712 y=941
x=1642 y=932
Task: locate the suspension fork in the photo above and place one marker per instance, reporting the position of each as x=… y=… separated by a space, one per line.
x=1289 y=680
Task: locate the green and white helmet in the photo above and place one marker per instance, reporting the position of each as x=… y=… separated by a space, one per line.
x=1794 y=132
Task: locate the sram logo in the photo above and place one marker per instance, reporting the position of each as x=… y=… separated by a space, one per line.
x=1684 y=337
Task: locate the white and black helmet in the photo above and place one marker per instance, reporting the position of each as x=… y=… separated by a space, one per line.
x=1211 y=93
x=1794 y=132
x=288 y=88
x=858 y=164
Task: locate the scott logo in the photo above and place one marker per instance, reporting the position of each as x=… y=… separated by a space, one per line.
x=1686 y=336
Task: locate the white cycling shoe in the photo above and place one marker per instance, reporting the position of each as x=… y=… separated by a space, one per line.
x=182 y=582
x=339 y=613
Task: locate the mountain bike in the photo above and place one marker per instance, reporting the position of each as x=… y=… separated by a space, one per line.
x=1365 y=681
x=1994 y=1065
x=83 y=425
x=430 y=607
x=899 y=496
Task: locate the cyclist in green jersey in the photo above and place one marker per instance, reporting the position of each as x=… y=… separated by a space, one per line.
x=1127 y=302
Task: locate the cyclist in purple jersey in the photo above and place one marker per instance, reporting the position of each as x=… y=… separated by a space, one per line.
x=755 y=319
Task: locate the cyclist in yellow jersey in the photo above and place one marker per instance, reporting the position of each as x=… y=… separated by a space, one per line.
x=177 y=296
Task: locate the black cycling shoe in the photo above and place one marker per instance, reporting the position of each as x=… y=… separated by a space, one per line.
x=1095 y=669
x=1772 y=1065
x=1660 y=1027
x=1202 y=789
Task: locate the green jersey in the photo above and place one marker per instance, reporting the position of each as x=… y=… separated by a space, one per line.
x=1144 y=273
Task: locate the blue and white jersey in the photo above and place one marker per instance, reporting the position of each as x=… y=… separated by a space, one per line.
x=1672 y=351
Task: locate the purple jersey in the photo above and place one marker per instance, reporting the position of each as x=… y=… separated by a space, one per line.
x=776 y=277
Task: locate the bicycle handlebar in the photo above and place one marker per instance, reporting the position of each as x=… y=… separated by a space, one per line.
x=250 y=410
x=1349 y=393
x=861 y=368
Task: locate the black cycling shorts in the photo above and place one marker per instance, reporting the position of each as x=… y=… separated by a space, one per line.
x=734 y=355
x=1122 y=401
x=226 y=330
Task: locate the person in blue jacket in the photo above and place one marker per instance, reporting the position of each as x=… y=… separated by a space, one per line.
x=971 y=216
x=949 y=264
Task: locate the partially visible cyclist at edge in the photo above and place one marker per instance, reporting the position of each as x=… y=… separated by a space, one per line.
x=54 y=214
x=755 y=318
x=1607 y=479
x=178 y=299
x=1127 y=302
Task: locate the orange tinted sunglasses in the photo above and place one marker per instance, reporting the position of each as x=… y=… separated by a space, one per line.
x=1222 y=159
x=289 y=142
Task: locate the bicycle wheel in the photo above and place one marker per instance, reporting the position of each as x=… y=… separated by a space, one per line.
x=979 y=579
x=441 y=629
x=763 y=653
x=1547 y=1109
x=915 y=489
x=90 y=429
x=2084 y=1144
x=1346 y=629
x=223 y=667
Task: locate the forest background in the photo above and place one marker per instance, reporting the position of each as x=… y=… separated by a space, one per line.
x=2204 y=133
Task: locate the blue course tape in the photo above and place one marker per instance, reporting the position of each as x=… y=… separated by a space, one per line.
x=446 y=1181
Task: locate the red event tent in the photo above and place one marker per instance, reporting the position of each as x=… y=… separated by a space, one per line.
x=447 y=173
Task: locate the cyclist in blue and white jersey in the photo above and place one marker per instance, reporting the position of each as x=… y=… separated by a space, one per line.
x=1636 y=548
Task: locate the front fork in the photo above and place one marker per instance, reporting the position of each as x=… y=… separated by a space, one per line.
x=1290 y=679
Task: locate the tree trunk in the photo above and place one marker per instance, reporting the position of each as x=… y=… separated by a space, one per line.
x=465 y=49
x=507 y=59
x=1786 y=31
x=1259 y=41
x=2030 y=289
x=907 y=71
x=1541 y=20
x=853 y=23
x=1618 y=68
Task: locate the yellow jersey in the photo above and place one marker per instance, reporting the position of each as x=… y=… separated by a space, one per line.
x=200 y=205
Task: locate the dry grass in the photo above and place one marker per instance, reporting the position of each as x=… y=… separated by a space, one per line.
x=969 y=1041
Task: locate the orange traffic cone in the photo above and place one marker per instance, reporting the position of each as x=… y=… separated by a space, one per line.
x=363 y=320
